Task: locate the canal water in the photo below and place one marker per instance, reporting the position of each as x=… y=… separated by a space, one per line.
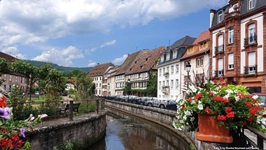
x=126 y=132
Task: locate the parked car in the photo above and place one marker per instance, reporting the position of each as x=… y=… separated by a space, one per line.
x=121 y=98
x=152 y=101
x=143 y=100
x=262 y=98
x=111 y=97
x=172 y=105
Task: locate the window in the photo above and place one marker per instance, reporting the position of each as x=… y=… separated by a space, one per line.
x=177 y=68
x=251 y=34
x=162 y=58
x=172 y=84
x=251 y=63
x=10 y=78
x=220 y=16
x=160 y=72
x=199 y=62
x=174 y=54
x=231 y=35
x=172 y=69
x=220 y=67
x=176 y=83
x=168 y=56
x=251 y=4
x=231 y=61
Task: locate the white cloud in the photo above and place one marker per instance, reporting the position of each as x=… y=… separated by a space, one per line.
x=110 y=43
x=119 y=60
x=92 y=64
x=13 y=51
x=31 y=21
x=63 y=57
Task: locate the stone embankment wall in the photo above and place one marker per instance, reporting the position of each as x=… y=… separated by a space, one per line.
x=160 y=116
x=85 y=129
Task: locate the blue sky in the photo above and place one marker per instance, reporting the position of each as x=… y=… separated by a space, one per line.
x=82 y=33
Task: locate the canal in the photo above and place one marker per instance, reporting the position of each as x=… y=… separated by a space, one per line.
x=126 y=132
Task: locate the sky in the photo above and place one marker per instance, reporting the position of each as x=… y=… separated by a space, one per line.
x=83 y=33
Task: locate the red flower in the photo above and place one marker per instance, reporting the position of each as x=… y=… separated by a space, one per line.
x=228 y=109
x=230 y=115
x=218 y=98
x=250 y=119
x=211 y=93
x=253 y=110
x=226 y=100
x=207 y=109
x=221 y=117
x=248 y=104
x=198 y=96
x=241 y=95
x=255 y=101
x=190 y=99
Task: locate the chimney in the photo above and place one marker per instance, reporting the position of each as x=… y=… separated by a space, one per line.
x=212 y=11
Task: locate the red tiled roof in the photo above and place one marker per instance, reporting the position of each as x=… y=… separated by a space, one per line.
x=6 y=56
x=202 y=37
x=99 y=70
x=145 y=61
x=129 y=60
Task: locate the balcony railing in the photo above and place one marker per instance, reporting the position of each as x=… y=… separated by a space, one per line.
x=219 y=49
x=219 y=73
x=250 y=69
x=250 y=40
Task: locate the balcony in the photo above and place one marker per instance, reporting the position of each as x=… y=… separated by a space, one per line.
x=165 y=89
x=219 y=49
x=219 y=73
x=250 y=70
x=252 y=40
x=166 y=74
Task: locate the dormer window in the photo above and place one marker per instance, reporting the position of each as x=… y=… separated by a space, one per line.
x=141 y=67
x=251 y=4
x=220 y=16
x=162 y=58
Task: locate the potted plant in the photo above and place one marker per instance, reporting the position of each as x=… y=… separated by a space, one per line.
x=220 y=107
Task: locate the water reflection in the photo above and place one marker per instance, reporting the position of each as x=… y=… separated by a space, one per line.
x=125 y=132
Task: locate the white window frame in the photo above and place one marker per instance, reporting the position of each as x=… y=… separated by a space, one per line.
x=231 y=35
x=230 y=61
x=251 y=4
x=251 y=62
x=220 y=16
x=220 y=67
x=251 y=33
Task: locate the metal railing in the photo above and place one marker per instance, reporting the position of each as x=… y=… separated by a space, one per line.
x=250 y=69
x=219 y=49
x=250 y=40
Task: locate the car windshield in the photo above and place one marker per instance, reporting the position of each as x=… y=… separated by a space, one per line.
x=262 y=99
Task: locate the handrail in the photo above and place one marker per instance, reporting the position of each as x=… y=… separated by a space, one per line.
x=261 y=137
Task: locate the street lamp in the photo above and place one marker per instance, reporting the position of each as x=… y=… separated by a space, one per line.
x=188 y=67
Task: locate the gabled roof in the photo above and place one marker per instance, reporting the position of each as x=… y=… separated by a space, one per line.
x=145 y=61
x=129 y=60
x=183 y=42
x=6 y=56
x=204 y=36
x=100 y=69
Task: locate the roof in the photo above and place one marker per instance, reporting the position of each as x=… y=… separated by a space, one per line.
x=183 y=42
x=243 y=9
x=6 y=56
x=129 y=60
x=146 y=60
x=180 y=47
x=99 y=70
x=204 y=36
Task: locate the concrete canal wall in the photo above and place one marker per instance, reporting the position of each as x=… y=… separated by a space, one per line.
x=85 y=129
x=160 y=116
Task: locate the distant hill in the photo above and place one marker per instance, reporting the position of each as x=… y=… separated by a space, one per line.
x=60 y=68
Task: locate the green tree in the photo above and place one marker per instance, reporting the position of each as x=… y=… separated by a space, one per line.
x=4 y=68
x=30 y=72
x=152 y=85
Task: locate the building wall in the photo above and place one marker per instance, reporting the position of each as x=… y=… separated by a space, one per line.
x=13 y=80
x=165 y=78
